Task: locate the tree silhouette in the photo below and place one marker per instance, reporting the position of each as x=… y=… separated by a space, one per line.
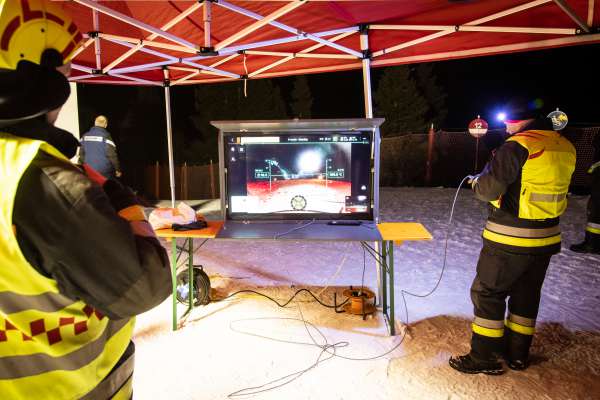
x=227 y=102
x=399 y=100
x=302 y=100
x=434 y=94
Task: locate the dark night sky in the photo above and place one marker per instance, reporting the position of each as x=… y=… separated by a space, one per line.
x=565 y=77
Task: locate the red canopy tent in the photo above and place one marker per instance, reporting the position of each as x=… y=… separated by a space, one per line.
x=168 y=43
x=208 y=41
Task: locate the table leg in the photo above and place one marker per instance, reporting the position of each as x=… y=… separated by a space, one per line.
x=390 y=265
x=174 y=279
x=383 y=269
x=378 y=267
x=190 y=274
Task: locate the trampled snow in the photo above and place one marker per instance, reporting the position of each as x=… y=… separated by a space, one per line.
x=210 y=357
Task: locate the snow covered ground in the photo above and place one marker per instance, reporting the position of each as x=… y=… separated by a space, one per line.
x=210 y=358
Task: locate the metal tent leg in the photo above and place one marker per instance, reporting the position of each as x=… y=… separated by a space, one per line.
x=167 y=85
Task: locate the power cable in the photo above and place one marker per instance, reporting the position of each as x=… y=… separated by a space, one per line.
x=328 y=348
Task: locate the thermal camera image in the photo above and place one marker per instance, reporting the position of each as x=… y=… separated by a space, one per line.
x=298 y=178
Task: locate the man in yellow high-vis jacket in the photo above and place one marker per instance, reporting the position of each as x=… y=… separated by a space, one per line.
x=591 y=242
x=78 y=258
x=526 y=183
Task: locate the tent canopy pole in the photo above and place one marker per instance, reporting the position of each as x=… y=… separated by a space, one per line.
x=167 y=85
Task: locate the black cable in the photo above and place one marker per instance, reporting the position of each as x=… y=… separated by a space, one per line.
x=362 y=281
x=445 y=245
x=294 y=229
x=326 y=348
x=294 y=375
x=335 y=306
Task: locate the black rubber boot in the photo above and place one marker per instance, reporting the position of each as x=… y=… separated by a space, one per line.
x=589 y=245
x=517 y=350
x=517 y=365
x=468 y=365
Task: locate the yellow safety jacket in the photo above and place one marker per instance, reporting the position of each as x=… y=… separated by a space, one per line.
x=545 y=179
x=51 y=347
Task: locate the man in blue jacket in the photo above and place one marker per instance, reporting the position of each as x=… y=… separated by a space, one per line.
x=99 y=150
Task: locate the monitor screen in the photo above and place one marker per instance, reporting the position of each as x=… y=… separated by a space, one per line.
x=285 y=175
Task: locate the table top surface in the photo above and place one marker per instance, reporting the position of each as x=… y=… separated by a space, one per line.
x=209 y=232
x=299 y=230
x=399 y=231
x=294 y=230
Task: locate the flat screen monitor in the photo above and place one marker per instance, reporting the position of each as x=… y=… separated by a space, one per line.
x=298 y=175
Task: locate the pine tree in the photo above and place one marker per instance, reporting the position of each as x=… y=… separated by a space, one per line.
x=227 y=102
x=301 y=98
x=399 y=100
x=434 y=94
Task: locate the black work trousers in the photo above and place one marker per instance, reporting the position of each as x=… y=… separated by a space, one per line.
x=502 y=275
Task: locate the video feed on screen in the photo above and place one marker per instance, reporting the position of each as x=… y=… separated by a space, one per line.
x=298 y=174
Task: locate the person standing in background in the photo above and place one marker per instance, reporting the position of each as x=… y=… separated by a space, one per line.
x=591 y=243
x=99 y=151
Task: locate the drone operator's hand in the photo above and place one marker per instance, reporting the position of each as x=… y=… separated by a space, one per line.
x=472 y=180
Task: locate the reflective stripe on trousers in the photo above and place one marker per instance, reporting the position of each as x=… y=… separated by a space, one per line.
x=488 y=327
x=593 y=228
x=522 y=325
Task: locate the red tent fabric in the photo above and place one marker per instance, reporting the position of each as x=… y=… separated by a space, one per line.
x=257 y=39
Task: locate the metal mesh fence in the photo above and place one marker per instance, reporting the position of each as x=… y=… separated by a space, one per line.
x=403 y=163
x=456 y=154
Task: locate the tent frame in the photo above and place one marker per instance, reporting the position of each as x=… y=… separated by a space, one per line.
x=364 y=59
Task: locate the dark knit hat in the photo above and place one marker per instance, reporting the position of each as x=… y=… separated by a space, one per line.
x=29 y=91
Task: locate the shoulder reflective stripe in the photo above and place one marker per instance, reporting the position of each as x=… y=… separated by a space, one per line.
x=480 y=330
x=11 y=302
x=132 y=213
x=522 y=232
x=548 y=198
x=521 y=320
x=14 y=367
x=489 y=323
x=93 y=139
x=520 y=242
x=142 y=228
x=593 y=228
x=523 y=330
x=114 y=383
x=108 y=141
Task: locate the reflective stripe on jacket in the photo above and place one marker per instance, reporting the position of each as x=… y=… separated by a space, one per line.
x=541 y=195
x=51 y=347
x=546 y=175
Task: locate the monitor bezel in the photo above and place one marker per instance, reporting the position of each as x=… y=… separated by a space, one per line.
x=370 y=216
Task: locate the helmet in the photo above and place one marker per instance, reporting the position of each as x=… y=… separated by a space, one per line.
x=36 y=30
